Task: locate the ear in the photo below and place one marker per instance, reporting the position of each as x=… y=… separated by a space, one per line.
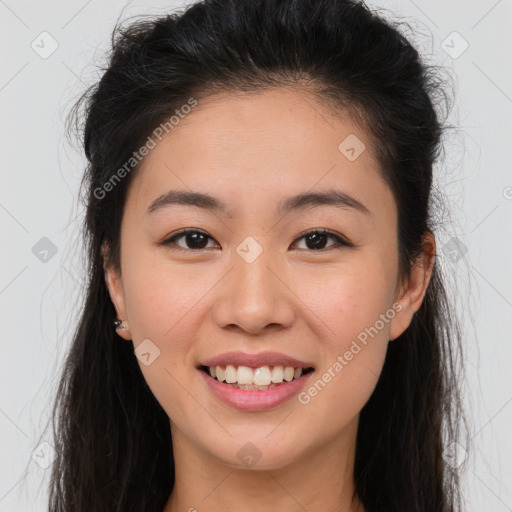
x=115 y=288
x=412 y=293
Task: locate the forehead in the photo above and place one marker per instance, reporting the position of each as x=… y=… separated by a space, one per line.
x=249 y=148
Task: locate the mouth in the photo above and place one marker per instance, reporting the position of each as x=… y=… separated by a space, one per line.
x=261 y=378
x=253 y=382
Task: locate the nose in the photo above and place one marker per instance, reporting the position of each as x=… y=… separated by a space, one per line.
x=254 y=297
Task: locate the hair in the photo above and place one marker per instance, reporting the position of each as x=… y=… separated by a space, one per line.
x=112 y=437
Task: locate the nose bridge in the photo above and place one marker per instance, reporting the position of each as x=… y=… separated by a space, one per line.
x=253 y=296
x=253 y=276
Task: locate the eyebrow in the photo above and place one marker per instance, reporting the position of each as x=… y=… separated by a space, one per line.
x=332 y=197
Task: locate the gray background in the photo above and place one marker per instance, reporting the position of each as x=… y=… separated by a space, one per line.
x=41 y=271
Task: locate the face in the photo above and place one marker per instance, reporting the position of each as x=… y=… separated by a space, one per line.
x=258 y=274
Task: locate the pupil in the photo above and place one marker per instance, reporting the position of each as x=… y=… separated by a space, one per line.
x=195 y=237
x=314 y=237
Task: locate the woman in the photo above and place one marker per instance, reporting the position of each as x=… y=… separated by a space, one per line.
x=265 y=325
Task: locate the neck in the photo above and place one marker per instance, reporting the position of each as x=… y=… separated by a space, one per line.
x=316 y=479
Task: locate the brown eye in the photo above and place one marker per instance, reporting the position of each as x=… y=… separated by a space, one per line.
x=193 y=239
x=317 y=239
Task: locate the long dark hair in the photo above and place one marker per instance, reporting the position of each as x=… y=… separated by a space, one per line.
x=112 y=437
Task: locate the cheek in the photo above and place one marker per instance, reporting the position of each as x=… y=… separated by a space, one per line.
x=353 y=340
x=350 y=300
x=160 y=295
x=353 y=305
x=161 y=303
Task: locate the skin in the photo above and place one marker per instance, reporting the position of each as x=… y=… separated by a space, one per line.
x=251 y=151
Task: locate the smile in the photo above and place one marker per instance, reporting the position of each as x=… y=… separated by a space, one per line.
x=254 y=397
x=261 y=378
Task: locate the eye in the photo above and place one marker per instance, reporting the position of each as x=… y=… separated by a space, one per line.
x=193 y=238
x=198 y=240
x=316 y=239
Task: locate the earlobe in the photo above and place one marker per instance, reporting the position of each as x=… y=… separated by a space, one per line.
x=123 y=329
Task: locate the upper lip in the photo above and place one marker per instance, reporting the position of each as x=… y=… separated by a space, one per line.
x=255 y=360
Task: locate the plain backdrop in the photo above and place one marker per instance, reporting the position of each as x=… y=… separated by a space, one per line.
x=49 y=54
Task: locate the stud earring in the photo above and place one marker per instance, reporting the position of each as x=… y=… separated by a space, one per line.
x=121 y=325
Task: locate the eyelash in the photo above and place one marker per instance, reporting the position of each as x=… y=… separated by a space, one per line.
x=168 y=242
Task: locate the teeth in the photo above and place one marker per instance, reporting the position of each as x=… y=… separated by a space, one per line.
x=221 y=374
x=231 y=374
x=277 y=374
x=289 y=372
x=245 y=377
x=262 y=376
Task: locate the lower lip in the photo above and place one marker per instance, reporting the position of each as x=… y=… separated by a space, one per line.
x=255 y=400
